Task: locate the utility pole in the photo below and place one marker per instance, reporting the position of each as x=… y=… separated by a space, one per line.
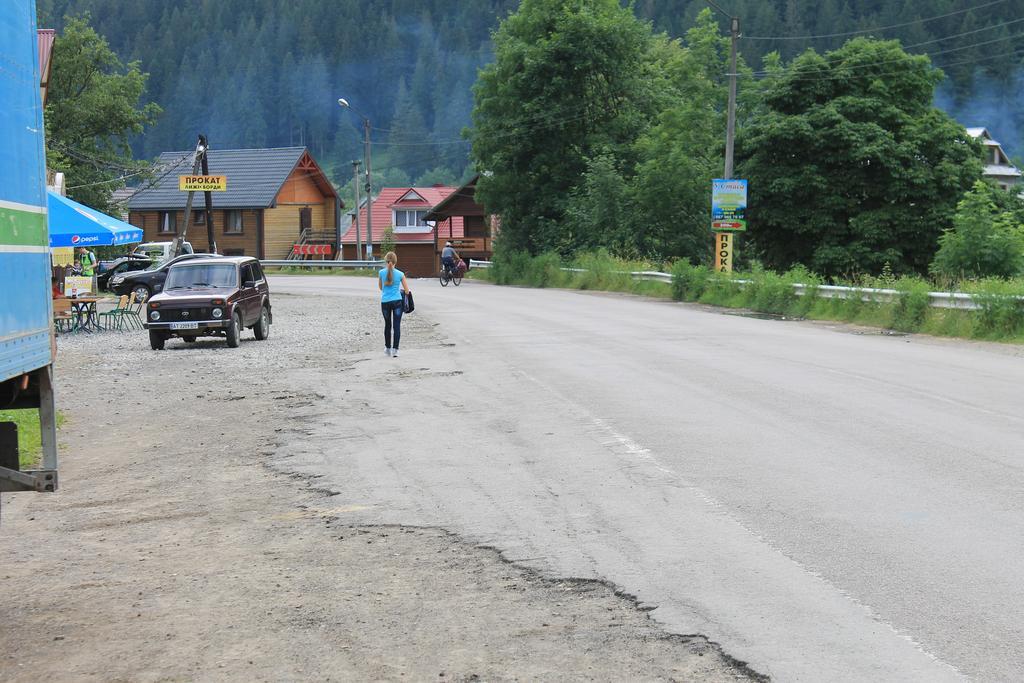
x=724 y=222
x=197 y=160
x=730 y=126
x=355 y=184
x=208 y=198
x=369 y=191
x=343 y=103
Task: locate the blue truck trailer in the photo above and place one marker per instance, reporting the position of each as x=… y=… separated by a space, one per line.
x=27 y=344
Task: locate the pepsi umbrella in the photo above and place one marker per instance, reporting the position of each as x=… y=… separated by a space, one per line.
x=76 y=225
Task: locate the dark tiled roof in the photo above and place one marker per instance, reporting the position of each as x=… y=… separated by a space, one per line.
x=254 y=178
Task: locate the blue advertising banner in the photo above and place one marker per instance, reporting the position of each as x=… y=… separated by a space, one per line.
x=728 y=205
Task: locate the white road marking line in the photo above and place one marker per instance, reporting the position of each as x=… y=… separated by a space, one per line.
x=632 y=447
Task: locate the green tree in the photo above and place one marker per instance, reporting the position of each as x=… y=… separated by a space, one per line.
x=408 y=144
x=681 y=154
x=438 y=175
x=984 y=241
x=387 y=240
x=92 y=110
x=850 y=165
x=599 y=212
x=570 y=81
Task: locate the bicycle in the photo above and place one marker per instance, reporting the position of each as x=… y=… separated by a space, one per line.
x=453 y=275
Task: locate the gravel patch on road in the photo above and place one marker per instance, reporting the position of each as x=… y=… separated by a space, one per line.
x=174 y=551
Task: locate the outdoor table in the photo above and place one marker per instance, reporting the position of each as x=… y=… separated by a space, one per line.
x=84 y=310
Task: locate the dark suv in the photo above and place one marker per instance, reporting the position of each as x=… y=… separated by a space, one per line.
x=210 y=297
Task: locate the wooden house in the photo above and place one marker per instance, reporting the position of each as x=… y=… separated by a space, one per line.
x=275 y=199
x=459 y=219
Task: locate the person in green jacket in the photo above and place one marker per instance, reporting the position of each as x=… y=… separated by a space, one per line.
x=88 y=260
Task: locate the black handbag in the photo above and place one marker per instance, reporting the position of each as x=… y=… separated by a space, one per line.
x=408 y=305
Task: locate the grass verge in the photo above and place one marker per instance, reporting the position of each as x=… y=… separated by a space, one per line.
x=1000 y=318
x=29 y=441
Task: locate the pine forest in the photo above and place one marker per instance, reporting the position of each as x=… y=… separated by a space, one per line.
x=253 y=73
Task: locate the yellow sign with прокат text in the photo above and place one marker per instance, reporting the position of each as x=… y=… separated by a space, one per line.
x=203 y=183
x=723 y=252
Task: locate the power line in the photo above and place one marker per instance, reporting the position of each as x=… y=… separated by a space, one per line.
x=718 y=8
x=877 y=28
x=163 y=175
x=868 y=65
x=110 y=180
x=965 y=33
x=97 y=162
x=1011 y=53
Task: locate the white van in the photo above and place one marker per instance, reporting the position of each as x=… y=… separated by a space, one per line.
x=160 y=251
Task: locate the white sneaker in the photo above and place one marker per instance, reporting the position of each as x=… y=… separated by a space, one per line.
x=387 y=351
x=394 y=353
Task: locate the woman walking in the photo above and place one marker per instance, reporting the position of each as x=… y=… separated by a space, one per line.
x=391 y=282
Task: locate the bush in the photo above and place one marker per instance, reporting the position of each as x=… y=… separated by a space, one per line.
x=802 y=304
x=601 y=271
x=911 y=306
x=768 y=292
x=509 y=267
x=1002 y=308
x=689 y=281
x=387 y=241
x=545 y=271
x=984 y=241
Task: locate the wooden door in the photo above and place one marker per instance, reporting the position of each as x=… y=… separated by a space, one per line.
x=305 y=219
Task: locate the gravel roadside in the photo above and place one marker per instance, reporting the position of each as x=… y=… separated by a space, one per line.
x=173 y=551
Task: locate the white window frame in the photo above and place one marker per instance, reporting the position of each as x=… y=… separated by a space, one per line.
x=418 y=226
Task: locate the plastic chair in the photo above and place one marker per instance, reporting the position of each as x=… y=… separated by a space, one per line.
x=133 y=313
x=114 y=318
x=62 y=317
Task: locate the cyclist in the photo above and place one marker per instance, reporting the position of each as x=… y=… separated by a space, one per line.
x=449 y=257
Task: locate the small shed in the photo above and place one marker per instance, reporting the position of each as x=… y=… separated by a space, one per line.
x=461 y=210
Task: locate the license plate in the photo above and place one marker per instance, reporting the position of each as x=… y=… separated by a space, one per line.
x=184 y=326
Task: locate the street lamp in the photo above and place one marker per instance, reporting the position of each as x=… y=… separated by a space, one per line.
x=343 y=103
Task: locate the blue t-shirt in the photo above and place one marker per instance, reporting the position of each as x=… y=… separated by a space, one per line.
x=392 y=292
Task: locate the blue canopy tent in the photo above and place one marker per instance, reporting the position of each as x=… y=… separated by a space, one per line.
x=75 y=225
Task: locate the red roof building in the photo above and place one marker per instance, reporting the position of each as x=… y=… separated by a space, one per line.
x=404 y=210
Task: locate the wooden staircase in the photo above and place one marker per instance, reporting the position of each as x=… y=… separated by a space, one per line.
x=309 y=237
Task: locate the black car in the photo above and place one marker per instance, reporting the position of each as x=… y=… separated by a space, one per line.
x=146 y=283
x=122 y=264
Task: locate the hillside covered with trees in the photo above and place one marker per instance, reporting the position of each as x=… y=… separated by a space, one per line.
x=261 y=72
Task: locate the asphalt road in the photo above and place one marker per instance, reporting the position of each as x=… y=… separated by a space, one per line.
x=825 y=504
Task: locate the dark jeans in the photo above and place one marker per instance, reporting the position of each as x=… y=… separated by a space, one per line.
x=392 y=311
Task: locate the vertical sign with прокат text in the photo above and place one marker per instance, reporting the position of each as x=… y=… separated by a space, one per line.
x=728 y=205
x=723 y=252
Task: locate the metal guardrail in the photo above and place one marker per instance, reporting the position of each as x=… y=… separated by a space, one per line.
x=284 y=263
x=955 y=300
